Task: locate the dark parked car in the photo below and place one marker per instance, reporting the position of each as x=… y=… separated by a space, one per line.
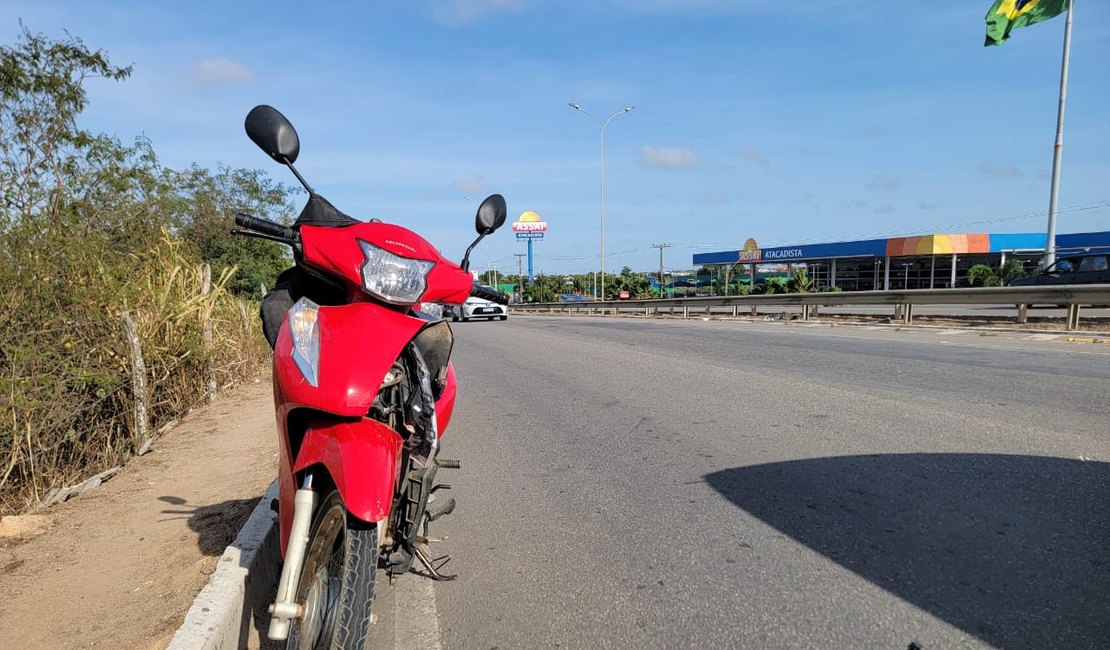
x=1077 y=269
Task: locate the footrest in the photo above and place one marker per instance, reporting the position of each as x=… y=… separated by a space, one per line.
x=436 y=510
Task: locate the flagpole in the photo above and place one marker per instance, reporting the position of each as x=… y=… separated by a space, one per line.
x=1057 y=151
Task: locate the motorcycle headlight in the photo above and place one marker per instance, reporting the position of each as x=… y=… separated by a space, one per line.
x=305 y=332
x=394 y=279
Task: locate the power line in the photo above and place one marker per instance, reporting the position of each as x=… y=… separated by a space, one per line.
x=1081 y=207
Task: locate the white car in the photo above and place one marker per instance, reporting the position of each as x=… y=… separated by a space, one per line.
x=477 y=308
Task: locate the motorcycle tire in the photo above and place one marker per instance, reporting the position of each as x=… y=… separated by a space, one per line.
x=336 y=584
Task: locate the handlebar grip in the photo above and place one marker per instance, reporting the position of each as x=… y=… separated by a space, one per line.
x=264 y=226
x=492 y=295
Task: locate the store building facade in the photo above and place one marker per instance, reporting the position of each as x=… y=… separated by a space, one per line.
x=920 y=262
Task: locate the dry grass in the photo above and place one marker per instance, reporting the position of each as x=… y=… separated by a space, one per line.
x=66 y=394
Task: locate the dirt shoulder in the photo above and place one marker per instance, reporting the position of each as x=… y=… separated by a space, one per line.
x=119 y=566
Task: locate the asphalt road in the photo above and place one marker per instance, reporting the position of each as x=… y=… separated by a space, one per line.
x=656 y=483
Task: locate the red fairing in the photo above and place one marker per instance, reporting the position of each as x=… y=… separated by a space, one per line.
x=359 y=343
x=336 y=252
x=361 y=458
x=445 y=405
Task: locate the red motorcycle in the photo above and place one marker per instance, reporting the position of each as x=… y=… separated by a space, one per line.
x=363 y=388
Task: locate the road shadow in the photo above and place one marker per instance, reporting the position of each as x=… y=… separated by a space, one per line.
x=217 y=524
x=1014 y=550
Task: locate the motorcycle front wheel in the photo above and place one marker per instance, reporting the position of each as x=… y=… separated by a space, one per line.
x=336 y=585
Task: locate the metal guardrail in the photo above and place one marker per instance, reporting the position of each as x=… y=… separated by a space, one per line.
x=1075 y=296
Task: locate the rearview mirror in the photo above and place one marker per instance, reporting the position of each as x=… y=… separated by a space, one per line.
x=491 y=214
x=274 y=134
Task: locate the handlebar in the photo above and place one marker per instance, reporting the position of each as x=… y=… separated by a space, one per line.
x=492 y=295
x=271 y=229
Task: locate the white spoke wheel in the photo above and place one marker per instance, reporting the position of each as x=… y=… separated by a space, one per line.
x=336 y=585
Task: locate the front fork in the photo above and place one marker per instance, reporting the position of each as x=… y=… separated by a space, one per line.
x=410 y=512
x=285 y=608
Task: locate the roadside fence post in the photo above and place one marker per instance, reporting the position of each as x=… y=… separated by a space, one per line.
x=206 y=316
x=141 y=417
x=243 y=316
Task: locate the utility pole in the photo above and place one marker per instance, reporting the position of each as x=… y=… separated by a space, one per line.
x=660 y=247
x=520 y=272
x=491 y=275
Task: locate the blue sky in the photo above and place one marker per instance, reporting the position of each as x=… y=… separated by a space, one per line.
x=789 y=122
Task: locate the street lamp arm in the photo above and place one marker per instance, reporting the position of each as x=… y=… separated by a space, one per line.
x=579 y=108
x=620 y=112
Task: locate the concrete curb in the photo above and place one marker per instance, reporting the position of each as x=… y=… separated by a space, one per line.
x=231 y=610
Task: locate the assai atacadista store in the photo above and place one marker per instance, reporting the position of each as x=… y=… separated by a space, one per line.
x=918 y=262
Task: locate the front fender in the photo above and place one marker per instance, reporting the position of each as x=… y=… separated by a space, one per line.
x=361 y=458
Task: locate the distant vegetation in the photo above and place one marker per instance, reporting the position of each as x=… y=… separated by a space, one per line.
x=90 y=229
x=984 y=275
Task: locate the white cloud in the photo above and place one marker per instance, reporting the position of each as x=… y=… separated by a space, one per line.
x=884 y=183
x=1001 y=171
x=220 y=71
x=874 y=132
x=669 y=157
x=469 y=185
x=754 y=155
x=456 y=13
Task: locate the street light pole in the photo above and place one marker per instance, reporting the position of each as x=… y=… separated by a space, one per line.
x=601 y=127
x=906 y=275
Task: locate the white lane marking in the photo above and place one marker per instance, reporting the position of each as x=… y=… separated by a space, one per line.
x=952 y=332
x=1042 y=337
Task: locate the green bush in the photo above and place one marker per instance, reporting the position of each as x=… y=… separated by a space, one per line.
x=1012 y=270
x=770 y=286
x=982 y=275
x=799 y=282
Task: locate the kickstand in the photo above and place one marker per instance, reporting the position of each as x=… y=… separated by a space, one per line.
x=433 y=566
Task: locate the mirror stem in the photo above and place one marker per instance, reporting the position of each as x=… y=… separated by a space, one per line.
x=466 y=258
x=299 y=177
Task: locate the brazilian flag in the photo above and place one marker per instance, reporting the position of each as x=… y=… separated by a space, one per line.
x=1005 y=16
